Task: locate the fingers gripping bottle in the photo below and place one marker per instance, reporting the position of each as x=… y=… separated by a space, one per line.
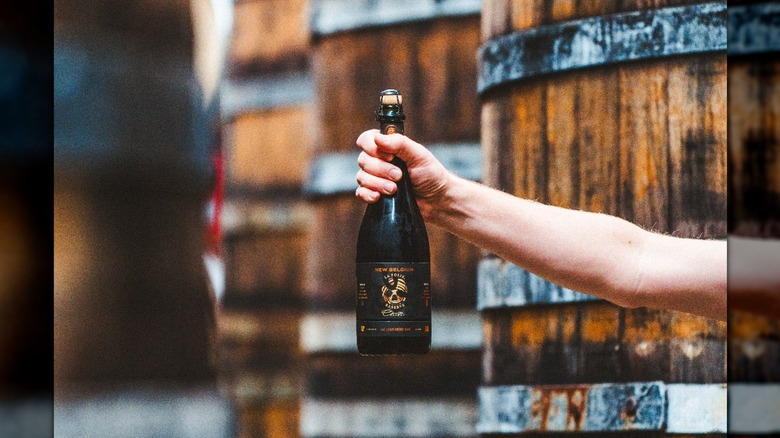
x=393 y=306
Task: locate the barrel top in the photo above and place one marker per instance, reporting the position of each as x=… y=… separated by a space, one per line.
x=334 y=16
x=602 y=40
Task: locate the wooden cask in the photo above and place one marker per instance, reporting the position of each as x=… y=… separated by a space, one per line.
x=269 y=36
x=754 y=212
x=426 y=50
x=616 y=107
x=267 y=126
x=754 y=153
x=131 y=178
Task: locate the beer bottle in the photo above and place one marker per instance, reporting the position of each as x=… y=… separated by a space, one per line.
x=393 y=261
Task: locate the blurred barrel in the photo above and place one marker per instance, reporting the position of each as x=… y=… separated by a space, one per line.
x=754 y=209
x=620 y=108
x=135 y=118
x=426 y=50
x=131 y=180
x=754 y=88
x=267 y=116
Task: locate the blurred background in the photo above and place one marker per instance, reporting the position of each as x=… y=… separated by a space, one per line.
x=204 y=218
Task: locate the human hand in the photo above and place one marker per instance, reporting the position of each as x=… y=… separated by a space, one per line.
x=377 y=175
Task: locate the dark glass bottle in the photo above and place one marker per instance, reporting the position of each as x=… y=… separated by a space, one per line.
x=393 y=262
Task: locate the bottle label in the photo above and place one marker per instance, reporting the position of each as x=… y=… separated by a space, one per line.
x=391 y=128
x=394 y=299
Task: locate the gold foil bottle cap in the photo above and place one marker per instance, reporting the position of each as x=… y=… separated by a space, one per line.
x=390 y=97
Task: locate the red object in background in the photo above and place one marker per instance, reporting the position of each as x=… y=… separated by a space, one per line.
x=214 y=226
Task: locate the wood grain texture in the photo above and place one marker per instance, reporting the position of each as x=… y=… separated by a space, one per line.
x=525 y=126
x=268 y=35
x=562 y=148
x=274 y=419
x=500 y=17
x=697 y=153
x=641 y=141
x=644 y=145
x=269 y=149
x=439 y=374
x=754 y=348
x=432 y=64
x=754 y=146
x=645 y=141
x=598 y=100
x=594 y=342
x=264 y=252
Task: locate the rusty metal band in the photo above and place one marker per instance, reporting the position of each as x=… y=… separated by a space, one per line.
x=334 y=173
x=334 y=16
x=603 y=40
x=605 y=407
x=502 y=284
x=754 y=29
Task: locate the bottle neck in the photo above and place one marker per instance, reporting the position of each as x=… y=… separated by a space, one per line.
x=402 y=200
x=404 y=195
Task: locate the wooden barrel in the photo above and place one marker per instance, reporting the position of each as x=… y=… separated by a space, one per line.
x=133 y=313
x=754 y=158
x=267 y=117
x=426 y=50
x=612 y=107
x=754 y=210
x=131 y=300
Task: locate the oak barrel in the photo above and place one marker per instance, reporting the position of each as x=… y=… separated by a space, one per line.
x=616 y=107
x=754 y=212
x=134 y=317
x=425 y=49
x=267 y=119
x=131 y=180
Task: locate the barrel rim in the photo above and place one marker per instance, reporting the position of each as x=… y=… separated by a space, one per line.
x=501 y=284
x=604 y=407
x=603 y=40
x=331 y=17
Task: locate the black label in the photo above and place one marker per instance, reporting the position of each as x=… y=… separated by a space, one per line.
x=392 y=293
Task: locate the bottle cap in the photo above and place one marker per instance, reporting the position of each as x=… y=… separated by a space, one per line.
x=390 y=97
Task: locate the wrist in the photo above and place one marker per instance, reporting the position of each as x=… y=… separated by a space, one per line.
x=436 y=207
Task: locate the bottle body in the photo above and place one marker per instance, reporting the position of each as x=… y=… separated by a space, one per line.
x=393 y=306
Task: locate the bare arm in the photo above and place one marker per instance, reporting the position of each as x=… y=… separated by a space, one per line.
x=593 y=253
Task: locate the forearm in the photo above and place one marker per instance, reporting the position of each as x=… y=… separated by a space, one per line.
x=589 y=252
x=578 y=250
